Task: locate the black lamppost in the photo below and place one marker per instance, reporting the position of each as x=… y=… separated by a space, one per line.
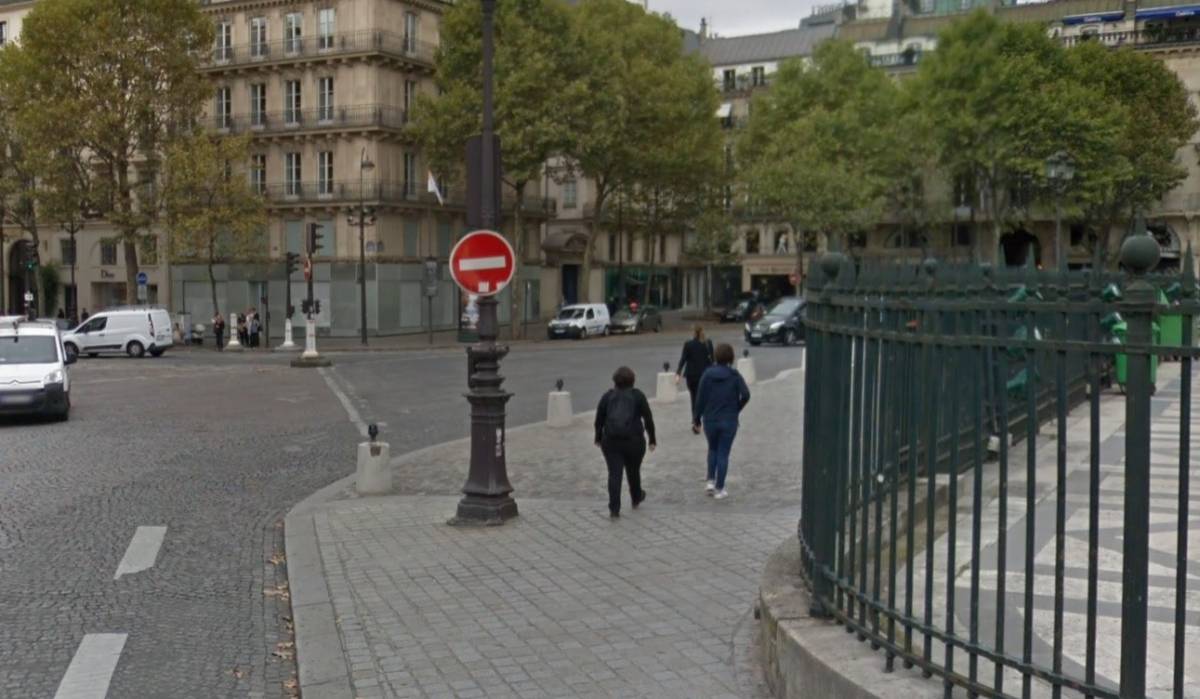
x=1060 y=171
x=364 y=165
x=487 y=496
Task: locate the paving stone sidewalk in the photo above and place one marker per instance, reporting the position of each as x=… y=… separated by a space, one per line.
x=562 y=602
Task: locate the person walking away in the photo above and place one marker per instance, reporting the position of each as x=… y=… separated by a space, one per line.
x=243 y=336
x=623 y=421
x=720 y=398
x=254 y=327
x=218 y=323
x=697 y=356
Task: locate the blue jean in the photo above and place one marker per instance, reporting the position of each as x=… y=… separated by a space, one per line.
x=720 y=441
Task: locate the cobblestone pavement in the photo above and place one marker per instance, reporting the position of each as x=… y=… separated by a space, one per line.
x=216 y=448
x=564 y=602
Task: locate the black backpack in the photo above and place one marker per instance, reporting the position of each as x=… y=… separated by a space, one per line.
x=621 y=419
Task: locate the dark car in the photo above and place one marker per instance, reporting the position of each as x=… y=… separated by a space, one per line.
x=783 y=323
x=644 y=318
x=742 y=311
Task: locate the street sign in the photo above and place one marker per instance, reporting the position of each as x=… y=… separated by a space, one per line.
x=28 y=297
x=143 y=279
x=141 y=292
x=482 y=263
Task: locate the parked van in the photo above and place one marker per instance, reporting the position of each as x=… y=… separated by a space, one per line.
x=33 y=369
x=579 y=321
x=134 y=331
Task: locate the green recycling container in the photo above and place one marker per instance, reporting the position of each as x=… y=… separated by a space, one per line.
x=1119 y=333
x=1171 y=325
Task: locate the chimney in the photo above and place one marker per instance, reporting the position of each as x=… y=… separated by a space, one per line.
x=703 y=28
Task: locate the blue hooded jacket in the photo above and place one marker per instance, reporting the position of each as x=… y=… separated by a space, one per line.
x=721 y=396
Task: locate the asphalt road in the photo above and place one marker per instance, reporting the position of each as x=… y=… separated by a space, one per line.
x=217 y=448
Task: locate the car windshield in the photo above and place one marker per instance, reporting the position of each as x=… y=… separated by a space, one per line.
x=622 y=315
x=570 y=313
x=28 y=349
x=785 y=307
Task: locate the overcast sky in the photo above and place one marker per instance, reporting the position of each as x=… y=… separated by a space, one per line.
x=734 y=17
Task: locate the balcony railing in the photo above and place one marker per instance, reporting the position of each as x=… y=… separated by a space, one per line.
x=387 y=43
x=291 y=120
x=895 y=60
x=1139 y=37
x=396 y=192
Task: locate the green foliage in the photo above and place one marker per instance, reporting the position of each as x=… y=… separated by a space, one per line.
x=50 y=278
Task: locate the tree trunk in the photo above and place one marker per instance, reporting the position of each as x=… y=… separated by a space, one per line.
x=517 y=298
x=708 y=285
x=585 y=294
x=128 y=231
x=212 y=278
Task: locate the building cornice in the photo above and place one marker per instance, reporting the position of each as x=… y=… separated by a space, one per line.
x=218 y=8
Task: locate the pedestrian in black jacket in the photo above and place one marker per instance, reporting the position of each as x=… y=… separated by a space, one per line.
x=722 y=395
x=623 y=421
x=696 y=357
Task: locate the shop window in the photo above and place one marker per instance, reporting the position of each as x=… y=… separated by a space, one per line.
x=752 y=242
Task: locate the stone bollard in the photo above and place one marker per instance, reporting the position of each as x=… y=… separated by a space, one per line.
x=374 y=476
x=666 y=390
x=745 y=367
x=558 y=409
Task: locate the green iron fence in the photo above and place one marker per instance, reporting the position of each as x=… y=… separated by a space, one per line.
x=919 y=371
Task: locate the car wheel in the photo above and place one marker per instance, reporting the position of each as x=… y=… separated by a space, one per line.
x=789 y=337
x=582 y=334
x=156 y=352
x=135 y=349
x=605 y=333
x=66 y=411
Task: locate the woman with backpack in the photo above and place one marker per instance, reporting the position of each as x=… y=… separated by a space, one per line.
x=623 y=421
x=697 y=356
x=720 y=398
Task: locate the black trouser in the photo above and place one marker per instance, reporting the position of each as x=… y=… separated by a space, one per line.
x=693 y=384
x=623 y=456
x=220 y=335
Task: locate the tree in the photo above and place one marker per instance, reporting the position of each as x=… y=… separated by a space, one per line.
x=536 y=88
x=711 y=244
x=19 y=183
x=815 y=147
x=215 y=213
x=636 y=81
x=124 y=101
x=1156 y=120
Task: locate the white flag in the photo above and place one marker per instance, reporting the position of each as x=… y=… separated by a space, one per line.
x=433 y=187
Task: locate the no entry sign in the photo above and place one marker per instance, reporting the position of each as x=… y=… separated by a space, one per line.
x=482 y=263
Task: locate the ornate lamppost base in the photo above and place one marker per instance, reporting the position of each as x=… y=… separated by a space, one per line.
x=480 y=511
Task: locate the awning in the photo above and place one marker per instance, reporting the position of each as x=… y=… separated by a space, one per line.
x=725 y=110
x=1173 y=12
x=1094 y=18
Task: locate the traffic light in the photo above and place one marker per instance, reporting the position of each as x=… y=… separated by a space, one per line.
x=293 y=263
x=314 y=238
x=305 y=306
x=30 y=258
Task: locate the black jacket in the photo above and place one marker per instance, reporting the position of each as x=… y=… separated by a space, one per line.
x=696 y=357
x=643 y=411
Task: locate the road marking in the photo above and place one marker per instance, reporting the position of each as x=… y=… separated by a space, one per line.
x=142 y=551
x=473 y=264
x=92 y=668
x=344 y=400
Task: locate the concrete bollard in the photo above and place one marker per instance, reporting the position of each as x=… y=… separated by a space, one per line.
x=745 y=367
x=558 y=409
x=374 y=476
x=666 y=389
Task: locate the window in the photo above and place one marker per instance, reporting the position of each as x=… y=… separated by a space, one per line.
x=410 y=93
x=224 y=108
x=291 y=174
x=570 y=194
x=412 y=236
x=1077 y=232
x=294 y=233
x=410 y=174
x=148 y=247
x=730 y=80
x=258 y=172
x=758 y=76
x=961 y=235
x=752 y=243
x=258 y=104
x=66 y=248
x=258 y=37
x=291 y=102
x=325 y=99
x=591 y=314
x=325 y=172
x=445 y=239
x=964 y=190
x=326 y=27
x=94 y=325
x=410 y=31
x=224 y=48
x=293 y=23
x=108 y=252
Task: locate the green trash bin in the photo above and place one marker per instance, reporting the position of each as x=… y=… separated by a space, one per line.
x=1171 y=325
x=1119 y=331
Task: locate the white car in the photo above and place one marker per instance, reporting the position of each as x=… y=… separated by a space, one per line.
x=132 y=331
x=33 y=369
x=579 y=321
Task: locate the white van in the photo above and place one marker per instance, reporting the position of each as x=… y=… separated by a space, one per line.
x=579 y=321
x=33 y=369
x=134 y=331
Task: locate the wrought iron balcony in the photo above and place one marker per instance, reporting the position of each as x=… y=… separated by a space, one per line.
x=1147 y=38
x=397 y=193
x=296 y=120
x=397 y=46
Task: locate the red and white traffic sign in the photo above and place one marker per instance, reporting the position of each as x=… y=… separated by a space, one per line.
x=482 y=263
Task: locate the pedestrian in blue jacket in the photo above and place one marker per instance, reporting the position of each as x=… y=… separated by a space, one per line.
x=721 y=396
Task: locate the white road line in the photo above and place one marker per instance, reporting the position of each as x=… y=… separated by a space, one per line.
x=92 y=667
x=473 y=264
x=142 y=551
x=345 y=401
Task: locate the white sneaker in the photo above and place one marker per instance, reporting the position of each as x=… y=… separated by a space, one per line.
x=710 y=487
x=721 y=495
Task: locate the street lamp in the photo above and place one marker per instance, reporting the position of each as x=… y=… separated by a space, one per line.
x=364 y=165
x=1060 y=170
